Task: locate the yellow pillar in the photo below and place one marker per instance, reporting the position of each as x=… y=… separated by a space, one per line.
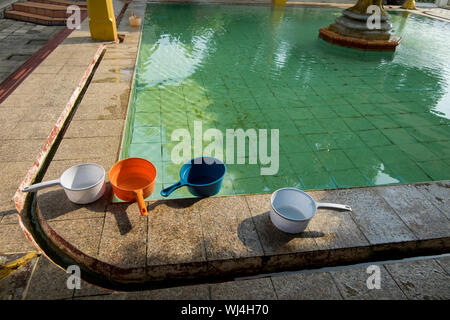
x=279 y=2
x=102 y=22
x=409 y=4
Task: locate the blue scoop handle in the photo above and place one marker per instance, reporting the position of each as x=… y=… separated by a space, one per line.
x=167 y=191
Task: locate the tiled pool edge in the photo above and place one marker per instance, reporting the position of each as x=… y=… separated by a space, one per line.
x=110 y=276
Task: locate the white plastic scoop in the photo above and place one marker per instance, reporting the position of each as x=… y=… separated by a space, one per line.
x=291 y=209
x=83 y=183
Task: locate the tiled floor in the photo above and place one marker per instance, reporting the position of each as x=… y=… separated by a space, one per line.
x=345 y=118
x=20 y=40
x=402 y=280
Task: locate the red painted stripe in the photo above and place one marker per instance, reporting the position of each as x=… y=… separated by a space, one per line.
x=19 y=197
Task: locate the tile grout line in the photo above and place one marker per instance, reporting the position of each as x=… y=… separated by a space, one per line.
x=336 y=285
x=432 y=203
x=414 y=233
x=396 y=282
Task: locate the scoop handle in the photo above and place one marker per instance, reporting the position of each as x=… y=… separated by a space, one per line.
x=141 y=202
x=41 y=185
x=334 y=206
x=167 y=191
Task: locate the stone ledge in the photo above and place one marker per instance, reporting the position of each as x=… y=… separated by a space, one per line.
x=349 y=42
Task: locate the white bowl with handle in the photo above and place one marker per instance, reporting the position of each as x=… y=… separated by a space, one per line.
x=83 y=183
x=292 y=209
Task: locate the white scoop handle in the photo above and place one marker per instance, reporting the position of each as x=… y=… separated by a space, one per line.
x=41 y=185
x=334 y=206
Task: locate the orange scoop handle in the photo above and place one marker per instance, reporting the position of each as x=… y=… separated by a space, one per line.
x=140 y=200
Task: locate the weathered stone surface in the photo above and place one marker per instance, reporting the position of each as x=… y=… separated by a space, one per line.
x=84 y=234
x=374 y=217
x=87 y=148
x=48 y=282
x=420 y=215
x=444 y=263
x=227 y=228
x=256 y=289
x=87 y=290
x=174 y=234
x=54 y=205
x=27 y=152
x=200 y=292
x=13 y=286
x=12 y=239
x=338 y=227
x=306 y=286
x=124 y=237
x=95 y=128
x=437 y=193
x=421 y=280
x=352 y=284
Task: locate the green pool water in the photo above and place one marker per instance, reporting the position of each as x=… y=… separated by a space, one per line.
x=346 y=118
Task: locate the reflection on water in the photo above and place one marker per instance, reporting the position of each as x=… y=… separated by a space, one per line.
x=367 y=118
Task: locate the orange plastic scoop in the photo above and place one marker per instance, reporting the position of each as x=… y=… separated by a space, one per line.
x=133 y=179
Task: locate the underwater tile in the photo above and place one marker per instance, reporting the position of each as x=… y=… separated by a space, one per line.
x=227 y=187
x=409 y=172
x=156 y=192
x=436 y=169
x=347 y=140
x=334 y=160
x=171 y=172
x=146 y=135
x=321 y=141
x=152 y=119
x=391 y=154
x=317 y=180
x=240 y=171
x=430 y=133
x=334 y=125
x=368 y=109
x=299 y=113
x=249 y=185
x=358 y=124
x=383 y=122
x=440 y=148
x=418 y=151
x=323 y=112
x=149 y=151
x=310 y=126
x=349 y=178
x=286 y=128
x=380 y=175
x=273 y=183
x=399 y=136
x=292 y=144
x=362 y=157
x=275 y=115
x=373 y=138
x=306 y=162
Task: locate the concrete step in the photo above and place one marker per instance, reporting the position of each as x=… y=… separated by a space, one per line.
x=42 y=9
x=81 y=4
x=35 y=18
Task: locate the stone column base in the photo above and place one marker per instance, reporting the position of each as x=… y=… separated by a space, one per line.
x=370 y=45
